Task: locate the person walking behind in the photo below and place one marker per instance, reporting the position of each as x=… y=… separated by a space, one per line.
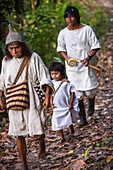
x=64 y=102
x=29 y=121
x=79 y=41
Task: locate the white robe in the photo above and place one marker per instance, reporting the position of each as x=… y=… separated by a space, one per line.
x=83 y=78
x=62 y=117
x=30 y=121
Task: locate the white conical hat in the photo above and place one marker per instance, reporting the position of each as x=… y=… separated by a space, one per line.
x=13 y=36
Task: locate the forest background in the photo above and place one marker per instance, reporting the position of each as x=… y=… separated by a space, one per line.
x=39 y=21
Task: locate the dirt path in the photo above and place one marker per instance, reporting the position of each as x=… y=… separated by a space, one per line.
x=90 y=148
x=108 y=4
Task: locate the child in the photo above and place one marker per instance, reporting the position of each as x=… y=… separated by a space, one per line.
x=64 y=102
x=79 y=41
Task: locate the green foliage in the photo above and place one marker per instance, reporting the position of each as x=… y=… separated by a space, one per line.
x=43 y=26
x=42 y=30
x=86 y=152
x=40 y=27
x=6 y=8
x=104 y=142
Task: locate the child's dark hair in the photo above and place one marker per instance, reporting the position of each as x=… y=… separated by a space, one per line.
x=57 y=66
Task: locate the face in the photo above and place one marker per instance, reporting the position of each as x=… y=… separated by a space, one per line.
x=15 y=50
x=56 y=75
x=70 y=20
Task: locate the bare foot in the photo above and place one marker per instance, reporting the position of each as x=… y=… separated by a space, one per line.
x=62 y=140
x=24 y=166
x=72 y=132
x=71 y=129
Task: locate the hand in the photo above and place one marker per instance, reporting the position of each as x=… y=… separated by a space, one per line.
x=85 y=61
x=1 y=106
x=52 y=107
x=46 y=102
x=70 y=106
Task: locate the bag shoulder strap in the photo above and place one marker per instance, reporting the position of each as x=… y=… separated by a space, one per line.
x=59 y=86
x=25 y=61
x=27 y=67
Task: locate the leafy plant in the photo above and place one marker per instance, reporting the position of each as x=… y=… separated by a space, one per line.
x=105 y=142
x=99 y=145
x=40 y=22
x=86 y=152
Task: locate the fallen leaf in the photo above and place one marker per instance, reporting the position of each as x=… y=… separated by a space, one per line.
x=110 y=149
x=109 y=158
x=57 y=164
x=80 y=164
x=70 y=151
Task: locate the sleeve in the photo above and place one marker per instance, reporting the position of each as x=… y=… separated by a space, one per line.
x=75 y=102
x=60 y=42
x=2 y=79
x=42 y=73
x=72 y=88
x=93 y=41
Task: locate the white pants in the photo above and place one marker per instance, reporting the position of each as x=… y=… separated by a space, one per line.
x=88 y=93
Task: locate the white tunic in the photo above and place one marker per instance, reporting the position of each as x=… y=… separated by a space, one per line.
x=30 y=121
x=82 y=77
x=62 y=117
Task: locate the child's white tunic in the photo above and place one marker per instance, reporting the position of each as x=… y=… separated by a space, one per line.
x=30 y=121
x=73 y=42
x=62 y=117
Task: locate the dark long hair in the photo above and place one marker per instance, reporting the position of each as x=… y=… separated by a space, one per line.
x=77 y=17
x=26 y=50
x=57 y=66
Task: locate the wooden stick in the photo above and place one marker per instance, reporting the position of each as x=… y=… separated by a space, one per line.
x=94 y=67
x=88 y=65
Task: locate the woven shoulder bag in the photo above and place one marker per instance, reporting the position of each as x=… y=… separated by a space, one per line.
x=17 y=95
x=40 y=92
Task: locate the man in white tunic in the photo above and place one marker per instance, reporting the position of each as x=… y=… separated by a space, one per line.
x=79 y=41
x=30 y=121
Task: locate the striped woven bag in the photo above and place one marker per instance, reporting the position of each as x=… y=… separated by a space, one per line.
x=17 y=95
